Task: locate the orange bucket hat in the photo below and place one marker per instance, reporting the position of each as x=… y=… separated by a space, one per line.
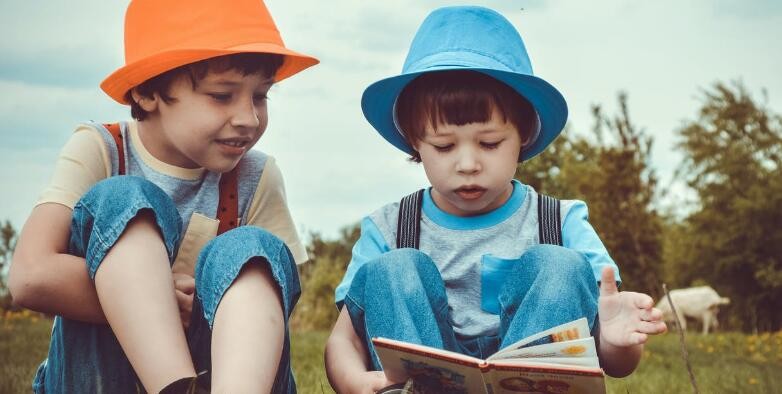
x=161 y=35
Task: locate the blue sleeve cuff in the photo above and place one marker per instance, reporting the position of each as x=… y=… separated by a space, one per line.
x=579 y=235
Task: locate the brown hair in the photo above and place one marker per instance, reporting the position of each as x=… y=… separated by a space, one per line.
x=245 y=63
x=459 y=97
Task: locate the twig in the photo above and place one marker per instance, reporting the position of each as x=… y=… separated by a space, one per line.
x=681 y=340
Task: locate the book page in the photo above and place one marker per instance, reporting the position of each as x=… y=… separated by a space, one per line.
x=573 y=330
x=509 y=379
x=437 y=370
x=578 y=348
x=552 y=362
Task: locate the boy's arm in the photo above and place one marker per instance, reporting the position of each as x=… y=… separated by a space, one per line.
x=347 y=360
x=626 y=318
x=347 y=357
x=626 y=321
x=43 y=277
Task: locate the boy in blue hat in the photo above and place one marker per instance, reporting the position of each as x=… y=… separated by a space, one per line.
x=479 y=260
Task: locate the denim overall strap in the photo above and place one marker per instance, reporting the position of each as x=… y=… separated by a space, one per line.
x=408 y=228
x=227 y=208
x=549 y=220
x=116 y=132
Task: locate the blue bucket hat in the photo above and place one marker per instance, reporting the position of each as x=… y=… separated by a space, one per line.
x=476 y=39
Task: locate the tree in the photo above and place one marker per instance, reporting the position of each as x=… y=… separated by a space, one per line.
x=320 y=277
x=624 y=200
x=615 y=178
x=7 y=245
x=734 y=238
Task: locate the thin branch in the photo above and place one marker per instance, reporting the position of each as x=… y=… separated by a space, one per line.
x=681 y=340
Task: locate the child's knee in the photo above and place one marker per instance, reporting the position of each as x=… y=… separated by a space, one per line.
x=120 y=191
x=403 y=274
x=403 y=265
x=104 y=213
x=246 y=241
x=222 y=260
x=556 y=263
x=112 y=203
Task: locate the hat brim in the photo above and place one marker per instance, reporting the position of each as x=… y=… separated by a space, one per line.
x=131 y=75
x=379 y=99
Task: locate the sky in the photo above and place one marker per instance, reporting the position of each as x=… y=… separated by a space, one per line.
x=337 y=169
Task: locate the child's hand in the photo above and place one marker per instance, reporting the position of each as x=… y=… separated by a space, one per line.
x=184 y=285
x=369 y=382
x=626 y=317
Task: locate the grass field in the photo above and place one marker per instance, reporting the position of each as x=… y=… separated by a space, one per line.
x=723 y=363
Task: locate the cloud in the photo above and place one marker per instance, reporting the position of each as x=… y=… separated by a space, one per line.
x=747 y=9
x=37 y=116
x=70 y=67
x=59 y=43
x=336 y=167
x=23 y=175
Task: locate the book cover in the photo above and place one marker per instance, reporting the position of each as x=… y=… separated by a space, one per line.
x=568 y=364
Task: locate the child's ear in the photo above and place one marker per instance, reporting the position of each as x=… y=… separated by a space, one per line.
x=526 y=140
x=148 y=104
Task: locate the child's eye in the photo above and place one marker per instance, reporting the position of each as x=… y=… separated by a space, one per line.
x=260 y=98
x=442 y=148
x=491 y=145
x=221 y=97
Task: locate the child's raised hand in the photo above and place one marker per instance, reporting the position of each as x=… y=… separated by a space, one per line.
x=626 y=317
x=184 y=286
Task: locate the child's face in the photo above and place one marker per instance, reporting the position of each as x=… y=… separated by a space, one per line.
x=470 y=167
x=212 y=125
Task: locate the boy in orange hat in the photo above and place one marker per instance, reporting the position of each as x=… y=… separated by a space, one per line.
x=170 y=220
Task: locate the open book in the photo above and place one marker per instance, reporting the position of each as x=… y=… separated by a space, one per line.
x=568 y=364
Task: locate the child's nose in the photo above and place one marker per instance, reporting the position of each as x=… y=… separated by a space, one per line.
x=245 y=115
x=468 y=162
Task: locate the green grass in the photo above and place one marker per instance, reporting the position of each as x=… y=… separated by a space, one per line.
x=723 y=363
x=24 y=340
x=307 y=359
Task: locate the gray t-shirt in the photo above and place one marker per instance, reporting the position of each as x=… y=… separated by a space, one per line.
x=459 y=246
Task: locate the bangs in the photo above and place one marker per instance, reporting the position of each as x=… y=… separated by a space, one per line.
x=244 y=63
x=459 y=98
x=266 y=64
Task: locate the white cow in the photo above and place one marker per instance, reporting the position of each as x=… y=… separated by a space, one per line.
x=699 y=303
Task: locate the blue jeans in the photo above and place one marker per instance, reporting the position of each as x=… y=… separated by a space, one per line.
x=87 y=358
x=401 y=296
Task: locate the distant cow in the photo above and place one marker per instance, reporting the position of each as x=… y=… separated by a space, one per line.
x=699 y=303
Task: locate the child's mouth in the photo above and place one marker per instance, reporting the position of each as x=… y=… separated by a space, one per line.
x=470 y=192
x=234 y=143
x=233 y=146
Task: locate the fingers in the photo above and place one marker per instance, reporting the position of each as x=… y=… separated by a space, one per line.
x=641 y=300
x=652 y=327
x=607 y=282
x=638 y=338
x=184 y=283
x=653 y=314
x=185 y=320
x=379 y=381
x=648 y=315
x=185 y=303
